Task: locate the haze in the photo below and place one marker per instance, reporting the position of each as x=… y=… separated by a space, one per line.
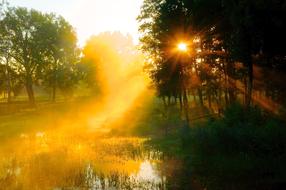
x=91 y=17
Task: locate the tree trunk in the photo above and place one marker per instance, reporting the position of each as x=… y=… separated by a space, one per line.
x=210 y=100
x=54 y=92
x=164 y=102
x=54 y=87
x=200 y=93
x=226 y=82
x=249 y=82
x=8 y=81
x=195 y=96
x=29 y=89
x=175 y=100
x=230 y=81
x=186 y=106
x=181 y=103
x=248 y=63
x=231 y=95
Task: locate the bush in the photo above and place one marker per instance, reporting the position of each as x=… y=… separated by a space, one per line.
x=243 y=150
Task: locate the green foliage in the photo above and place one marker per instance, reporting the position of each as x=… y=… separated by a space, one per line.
x=233 y=31
x=39 y=49
x=59 y=71
x=159 y=121
x=162 y=24
x=243 y=150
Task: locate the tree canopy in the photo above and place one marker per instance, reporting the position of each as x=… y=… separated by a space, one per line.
x=41 y=48
x=219 y=34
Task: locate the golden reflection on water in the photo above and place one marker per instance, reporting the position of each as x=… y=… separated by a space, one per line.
x=75 y=151
x=46 y=160
x=75 y=154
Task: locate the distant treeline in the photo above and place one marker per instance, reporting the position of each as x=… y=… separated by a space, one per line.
x=40 y=51
x=225 y=39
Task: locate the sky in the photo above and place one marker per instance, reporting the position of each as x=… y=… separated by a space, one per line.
x=90 y=17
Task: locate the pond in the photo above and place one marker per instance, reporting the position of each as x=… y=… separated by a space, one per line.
x=64 y=160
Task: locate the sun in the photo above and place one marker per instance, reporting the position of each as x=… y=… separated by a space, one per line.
x=182 y=47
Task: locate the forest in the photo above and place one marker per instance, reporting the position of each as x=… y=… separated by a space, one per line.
x=198 y=103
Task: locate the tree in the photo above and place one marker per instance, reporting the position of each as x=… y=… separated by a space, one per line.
x=5 y=56
x=231 y=31
x=246 y=28
x=5 y=53
x=26 y=31
x=15 y=82
x=3 y=4
x=43 y=46
x=59 y=70
x=163 y=24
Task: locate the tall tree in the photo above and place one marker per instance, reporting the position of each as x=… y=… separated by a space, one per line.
x=163 y=25
x=237 y=28
x=43 y=46
x=245 y=28
x=62 y=55
x=26 y=30
x=5 y=59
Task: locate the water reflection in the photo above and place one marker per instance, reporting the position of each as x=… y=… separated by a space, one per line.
x=146 y=178
x=57 y=160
